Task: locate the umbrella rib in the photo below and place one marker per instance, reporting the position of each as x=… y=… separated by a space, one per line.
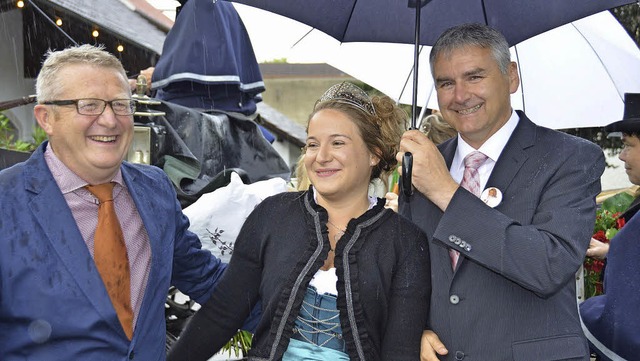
x=406 y=82
x=302 y=38
x=484 y=14
x=606 y=69
x=353 y=9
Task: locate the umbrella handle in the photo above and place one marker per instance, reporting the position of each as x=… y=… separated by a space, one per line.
x=407 y=167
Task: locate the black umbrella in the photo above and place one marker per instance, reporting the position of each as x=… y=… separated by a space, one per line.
x=400 y=22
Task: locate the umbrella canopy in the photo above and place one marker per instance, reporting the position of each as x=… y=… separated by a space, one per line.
x=573 y=76
x=394 y=22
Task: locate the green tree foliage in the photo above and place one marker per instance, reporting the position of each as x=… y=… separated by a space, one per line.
x=629 y=17
x=8 y=141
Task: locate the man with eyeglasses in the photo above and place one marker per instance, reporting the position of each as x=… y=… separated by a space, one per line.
x=56 y=300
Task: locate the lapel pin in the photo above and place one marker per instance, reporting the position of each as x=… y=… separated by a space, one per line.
x=492 y=196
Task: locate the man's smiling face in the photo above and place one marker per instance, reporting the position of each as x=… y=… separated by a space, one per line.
x=473 y=94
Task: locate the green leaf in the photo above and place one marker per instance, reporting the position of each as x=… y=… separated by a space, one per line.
x=611 y=232
x=618 y=203
x=239 y=343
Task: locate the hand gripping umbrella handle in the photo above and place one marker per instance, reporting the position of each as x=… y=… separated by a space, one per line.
x=407 y=167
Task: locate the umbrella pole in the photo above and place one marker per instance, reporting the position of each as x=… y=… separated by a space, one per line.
x=407 y=159
x=416 y=58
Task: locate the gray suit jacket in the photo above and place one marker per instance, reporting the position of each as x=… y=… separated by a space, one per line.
x=512 y=296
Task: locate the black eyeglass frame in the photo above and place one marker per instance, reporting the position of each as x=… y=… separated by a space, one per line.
x=103 y=102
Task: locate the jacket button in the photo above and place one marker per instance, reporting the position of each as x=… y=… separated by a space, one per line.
x=454 y=299
x=459 y=355
x=131 y=355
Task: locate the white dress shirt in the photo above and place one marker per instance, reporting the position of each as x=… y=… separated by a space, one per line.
x=491 y=148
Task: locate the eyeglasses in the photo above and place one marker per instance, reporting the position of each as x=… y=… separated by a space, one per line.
x=90 y=106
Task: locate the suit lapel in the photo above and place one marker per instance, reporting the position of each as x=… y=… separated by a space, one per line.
x=143 y=195
x=50 y=210
x=513 y=155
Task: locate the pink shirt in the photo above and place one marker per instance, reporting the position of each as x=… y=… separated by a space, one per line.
x=84 y=207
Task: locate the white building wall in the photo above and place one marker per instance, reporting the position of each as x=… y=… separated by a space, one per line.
x=13 y=85
x=288 y=151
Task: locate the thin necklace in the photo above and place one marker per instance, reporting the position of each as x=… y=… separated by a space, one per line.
x=336 y=237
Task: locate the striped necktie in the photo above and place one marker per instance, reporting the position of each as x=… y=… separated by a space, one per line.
x=470 y=182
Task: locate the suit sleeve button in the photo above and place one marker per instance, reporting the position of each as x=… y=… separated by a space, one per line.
x=454 y=299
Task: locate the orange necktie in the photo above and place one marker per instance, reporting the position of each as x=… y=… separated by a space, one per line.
x=110 y=256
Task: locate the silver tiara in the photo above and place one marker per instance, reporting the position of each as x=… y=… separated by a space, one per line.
x=348 y=93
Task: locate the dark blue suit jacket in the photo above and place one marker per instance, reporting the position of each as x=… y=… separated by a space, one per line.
x=512 y=296
x=53 y=304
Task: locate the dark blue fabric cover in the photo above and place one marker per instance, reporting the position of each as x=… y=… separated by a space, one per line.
x=612 y=320
x=208 y=62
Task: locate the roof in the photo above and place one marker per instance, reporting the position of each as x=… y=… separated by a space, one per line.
x=280 y=124
x=152 y=14
x=286 y=70
x=119 y=17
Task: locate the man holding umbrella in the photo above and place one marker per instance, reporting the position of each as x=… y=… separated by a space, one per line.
x=503 y=274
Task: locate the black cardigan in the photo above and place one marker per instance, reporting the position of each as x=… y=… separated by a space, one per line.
x=382 y=264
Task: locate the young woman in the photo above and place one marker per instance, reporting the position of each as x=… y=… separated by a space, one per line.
x=339 y=276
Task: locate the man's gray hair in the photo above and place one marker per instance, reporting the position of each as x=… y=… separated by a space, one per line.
x=48 y=85
x=473 y=35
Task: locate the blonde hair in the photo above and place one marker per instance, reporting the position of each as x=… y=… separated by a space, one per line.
x=436 y=129
x=302 y=179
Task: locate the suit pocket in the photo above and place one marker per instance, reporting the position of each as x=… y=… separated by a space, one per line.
x=570 y=347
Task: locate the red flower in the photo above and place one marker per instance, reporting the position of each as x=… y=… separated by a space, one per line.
x=606 y=222
x=600 y=236
x=594 y=265
x=599 y=288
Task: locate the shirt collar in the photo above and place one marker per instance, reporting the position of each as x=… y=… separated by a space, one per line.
x=493 y=146
x=66 y=179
